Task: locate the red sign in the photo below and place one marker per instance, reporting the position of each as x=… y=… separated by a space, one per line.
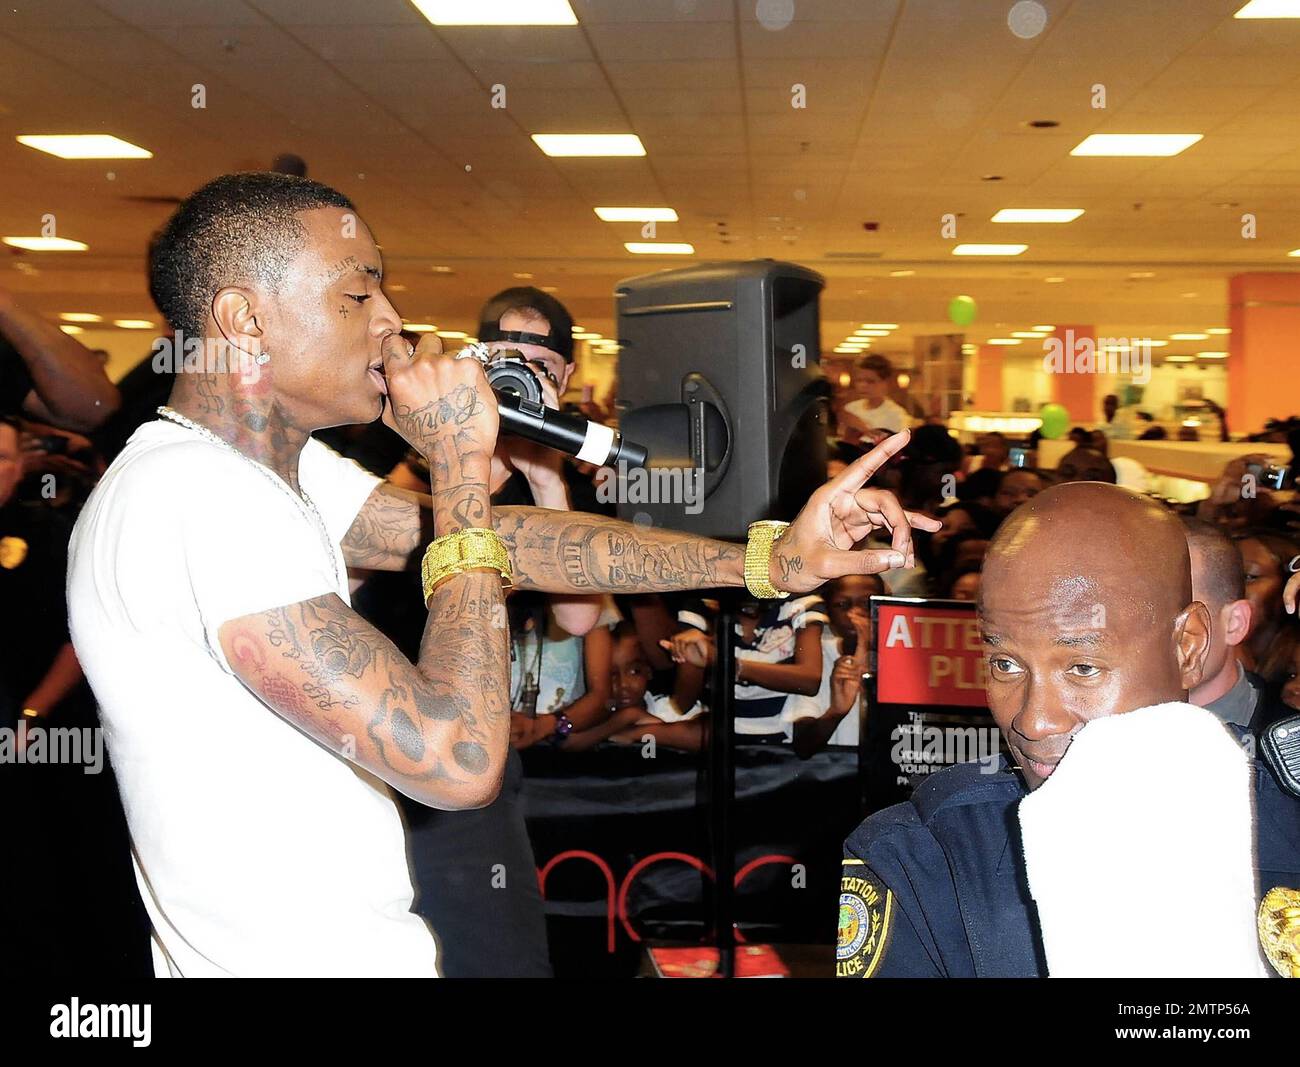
x=929 y=655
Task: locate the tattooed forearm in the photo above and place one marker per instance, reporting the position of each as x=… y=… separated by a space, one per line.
x=575 y=552
x=438 y=730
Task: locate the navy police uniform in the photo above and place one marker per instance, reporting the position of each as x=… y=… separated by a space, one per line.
x=935 y=887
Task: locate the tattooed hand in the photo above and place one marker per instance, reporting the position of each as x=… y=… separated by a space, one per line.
x=818 y=545
x=445 y=409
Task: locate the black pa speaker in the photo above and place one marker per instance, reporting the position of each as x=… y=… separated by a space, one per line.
x=719 y=377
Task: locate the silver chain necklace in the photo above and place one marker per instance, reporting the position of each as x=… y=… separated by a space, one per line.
x=304 y=502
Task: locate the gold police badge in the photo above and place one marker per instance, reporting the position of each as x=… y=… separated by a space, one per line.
x=1279 y=930
x=866 y=918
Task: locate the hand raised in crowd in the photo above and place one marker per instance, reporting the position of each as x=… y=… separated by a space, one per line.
x=846 y=675
x=819 y=543
x=690 y=646
x=1292 y=591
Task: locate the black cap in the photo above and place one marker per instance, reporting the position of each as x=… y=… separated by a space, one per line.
x=560 y=338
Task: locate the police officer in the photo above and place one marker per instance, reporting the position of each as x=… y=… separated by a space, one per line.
x=1086 y=611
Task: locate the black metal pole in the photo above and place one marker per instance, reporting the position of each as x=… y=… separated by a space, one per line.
x=723 y=784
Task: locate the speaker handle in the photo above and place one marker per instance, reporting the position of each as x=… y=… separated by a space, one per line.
x=697 y=393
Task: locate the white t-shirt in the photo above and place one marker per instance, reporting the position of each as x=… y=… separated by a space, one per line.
x=888 y=416
x=257 y=851
x=846 y=733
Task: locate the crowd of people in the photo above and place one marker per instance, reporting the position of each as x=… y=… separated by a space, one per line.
x=600 y=669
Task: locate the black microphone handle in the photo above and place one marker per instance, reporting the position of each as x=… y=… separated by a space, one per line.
x=570 y=434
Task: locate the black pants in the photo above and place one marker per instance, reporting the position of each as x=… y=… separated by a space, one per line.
x=476 y=884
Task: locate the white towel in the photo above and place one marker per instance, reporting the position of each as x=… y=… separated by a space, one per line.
x=1139 y=850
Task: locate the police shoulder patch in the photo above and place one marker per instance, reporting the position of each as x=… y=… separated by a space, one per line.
x=866 y=919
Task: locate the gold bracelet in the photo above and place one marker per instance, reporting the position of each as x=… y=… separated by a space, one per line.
x=758 y=559
x=470 y=549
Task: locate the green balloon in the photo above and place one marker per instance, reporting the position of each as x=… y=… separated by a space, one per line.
x=1056 y=420
x=962 y=310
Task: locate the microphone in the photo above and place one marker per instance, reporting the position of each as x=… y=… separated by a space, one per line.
x=522 y=411
x=592 y=442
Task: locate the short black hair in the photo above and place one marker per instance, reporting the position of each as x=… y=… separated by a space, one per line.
x=1224 y=577
x=236 y=229
x=526 y=300
x=878 y=364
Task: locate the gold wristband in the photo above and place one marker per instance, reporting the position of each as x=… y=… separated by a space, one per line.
x=758 y=559
x=470 y=549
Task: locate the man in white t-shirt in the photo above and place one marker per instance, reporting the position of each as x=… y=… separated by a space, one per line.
x=256 y=722
x=874 y=377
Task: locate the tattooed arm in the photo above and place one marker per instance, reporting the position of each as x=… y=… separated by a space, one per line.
x=436 y=731
x=575 y=552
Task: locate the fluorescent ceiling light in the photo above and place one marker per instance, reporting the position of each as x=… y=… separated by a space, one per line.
x=1135 y=144
x=1055 y=279
x=880 y=326
x=636 y=214
x=133 y=324
x=873 y=333
x=453 y=335
x=901 y=273
x=1178 y=359
x=1218 y=331
x=1037 y=214
x=46 y=244
x=988 y=250
x=80 y=316
x=1269 y=9
x=497 y=12
x=1154 y=344
x=1188 y=336
x=1210 y=355
x=1045 y=329
x=1002 y=341
x=589 y=144
x=420 y=327
x=1294 y=252
x=587 y=337
x=84 y=146
x=67 y=327
x=659 y=248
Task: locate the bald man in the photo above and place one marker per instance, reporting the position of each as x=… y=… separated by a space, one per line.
x=1078 y=626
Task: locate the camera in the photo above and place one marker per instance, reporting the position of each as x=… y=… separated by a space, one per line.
x=510 y=372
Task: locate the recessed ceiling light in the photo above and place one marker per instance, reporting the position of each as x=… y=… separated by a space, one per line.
x=880 y=326
x=1135 y=144
x=46 y=244
x=497 y=12
x=84 y=146
x=1213 y=355
x=133 y=324
x=1045 y=329
x=909 y=273
x=443 y=270
x=1188 y=336
x=81 y=316
x=522 y=275
x=636 y=214
x=589 y=144
x=1218 y=331
x=420 y=327
x=67 y=327
x=1178 y=359
x=659 y=248
x=1055 y=279
x=1269 y=9
x=1002 y=341
x=988 y=250
x=1142 y=274
x=1037 y=214
x=453 y=335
